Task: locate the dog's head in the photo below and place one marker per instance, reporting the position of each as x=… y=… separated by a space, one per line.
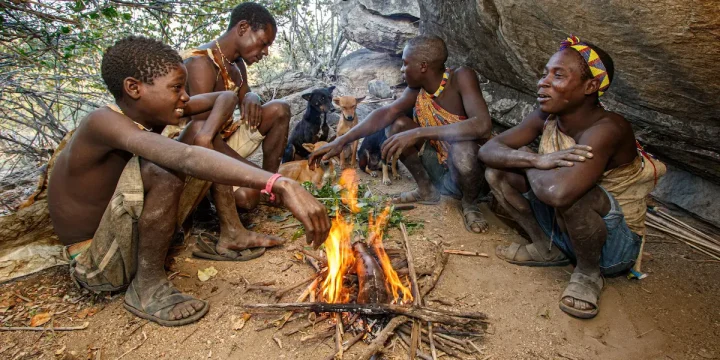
x=348 y=105
x=321 y=99
x=327 y=166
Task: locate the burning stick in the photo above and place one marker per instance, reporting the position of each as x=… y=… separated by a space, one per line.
x=466 y=253
x=378 y=345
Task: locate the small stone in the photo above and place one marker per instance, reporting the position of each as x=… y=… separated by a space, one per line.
x=379 y=89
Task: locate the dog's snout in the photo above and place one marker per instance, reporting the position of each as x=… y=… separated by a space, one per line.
x=350 y=117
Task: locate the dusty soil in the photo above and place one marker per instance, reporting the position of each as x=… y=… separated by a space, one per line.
x=673 y=314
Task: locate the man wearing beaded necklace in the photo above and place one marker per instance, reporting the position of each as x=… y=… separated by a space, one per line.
x=450 y=122
x=220 y=65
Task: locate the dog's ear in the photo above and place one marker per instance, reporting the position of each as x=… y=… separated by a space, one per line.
x=336 y=100
x=307 y=96
x=330 y=89
x=309 y=147
x=359 y=100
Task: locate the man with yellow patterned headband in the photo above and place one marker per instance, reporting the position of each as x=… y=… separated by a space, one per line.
x=439 y=144
x=581 y=197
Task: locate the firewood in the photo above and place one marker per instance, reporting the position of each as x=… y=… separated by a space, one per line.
x=378 y=344
x=425 y=337
x=472 y=320
x=280 y=293
x=440 y=262
x=406 y=342
x=466 y=253
x=348 y=345
x=417 y=299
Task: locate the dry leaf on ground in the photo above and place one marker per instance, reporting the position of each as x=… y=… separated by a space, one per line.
x=205 y=275
x=40 y=319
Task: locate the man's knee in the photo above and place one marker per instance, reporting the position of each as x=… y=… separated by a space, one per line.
x=158 y=178
x=464 y=157
x=494 y=177
x=247 y=199
x=402 y=123
x=595 y=201
x=279 y=111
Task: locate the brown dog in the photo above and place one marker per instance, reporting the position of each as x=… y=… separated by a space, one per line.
x=300 y=171
x=348 y=120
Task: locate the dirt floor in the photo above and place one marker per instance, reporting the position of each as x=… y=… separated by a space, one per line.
x=672 y=314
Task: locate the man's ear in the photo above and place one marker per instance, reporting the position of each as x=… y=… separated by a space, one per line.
x=336 y=100
x=132 y=87
x=359 y=100
x=423 y=66
x=242 y=27
x=307 y=96
x=592 y=86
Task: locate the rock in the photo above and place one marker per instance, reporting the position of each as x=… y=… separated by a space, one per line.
x=692 y=193
x=379 y=89
x=373 y=30
x=358 y=68
x=394 y=8
x=666 y=81
x=288 y=83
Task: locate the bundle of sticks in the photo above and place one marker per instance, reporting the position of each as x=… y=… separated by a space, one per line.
x=698 y=240
x=449 y=332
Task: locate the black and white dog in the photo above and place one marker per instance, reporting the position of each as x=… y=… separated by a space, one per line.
x=313 y=127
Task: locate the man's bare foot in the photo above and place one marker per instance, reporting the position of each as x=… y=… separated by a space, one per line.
x=231 y=243
x=474 y=219
x=159 y=301
x=431 y=197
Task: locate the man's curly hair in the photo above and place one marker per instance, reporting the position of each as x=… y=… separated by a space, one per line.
x=256 y=15
x=429 y=48
x=139 y=57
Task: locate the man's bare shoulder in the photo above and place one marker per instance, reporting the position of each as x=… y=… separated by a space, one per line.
x=464 y=72
x=613 y=124
x=198 y=63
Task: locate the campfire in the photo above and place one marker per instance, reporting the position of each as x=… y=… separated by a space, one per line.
x=372 y=292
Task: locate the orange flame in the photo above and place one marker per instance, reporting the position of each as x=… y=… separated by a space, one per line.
x=392 y=280
x=339 y=257
x=349 y=181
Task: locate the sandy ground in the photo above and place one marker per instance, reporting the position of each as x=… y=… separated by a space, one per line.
x=673 y=314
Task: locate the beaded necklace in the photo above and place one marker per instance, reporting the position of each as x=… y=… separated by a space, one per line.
x=440 y=89
x=223 y=59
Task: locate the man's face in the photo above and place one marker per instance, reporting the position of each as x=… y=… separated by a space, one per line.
x=411 y=69
x=561 y=87
x=254 y=45
x=164 y=100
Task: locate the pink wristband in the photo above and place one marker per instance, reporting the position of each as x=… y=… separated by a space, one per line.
x=269 y=186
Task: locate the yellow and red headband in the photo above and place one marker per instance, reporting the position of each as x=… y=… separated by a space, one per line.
x=597 y=68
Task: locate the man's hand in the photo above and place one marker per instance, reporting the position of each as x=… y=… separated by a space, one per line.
x=394 y=146
x=311 y=213
x=204 y=140
x=251 y=110
x=563 y=158
x=325 y=152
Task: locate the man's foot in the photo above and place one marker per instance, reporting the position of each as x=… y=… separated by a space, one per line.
x=215 y=249
x=240 y=240
x=164 y=304
x=474 y=219
x=530 y=255
x=580 y=298
x=433 y=198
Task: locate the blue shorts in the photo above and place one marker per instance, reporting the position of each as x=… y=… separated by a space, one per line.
x=621 y=248
x=439 y=174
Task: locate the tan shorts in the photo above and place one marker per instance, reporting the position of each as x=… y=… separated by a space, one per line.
x=245 y=142
x=110 y=262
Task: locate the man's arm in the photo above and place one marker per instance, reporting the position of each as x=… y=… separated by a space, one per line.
x=563 y=186
x=478 y=124
x=116 y=131
x=201 y=80
x=501 y=151
x=251 y=104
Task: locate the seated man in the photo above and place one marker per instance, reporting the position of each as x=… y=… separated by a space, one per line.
x=219 y=65
x=118 y=181
x=584 y=191
x=450 y=118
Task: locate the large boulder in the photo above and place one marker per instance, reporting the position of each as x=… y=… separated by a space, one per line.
x=379 y=25
x=360 y=67
x=665 y=54
x=691 y=193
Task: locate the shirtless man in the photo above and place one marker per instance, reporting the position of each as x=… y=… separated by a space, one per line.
x=584 y=192
x=450 y=120
x=118 y=181
x=219 y=65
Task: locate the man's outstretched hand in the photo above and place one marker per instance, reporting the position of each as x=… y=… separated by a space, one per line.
x=324 y=153
x=310 y=212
